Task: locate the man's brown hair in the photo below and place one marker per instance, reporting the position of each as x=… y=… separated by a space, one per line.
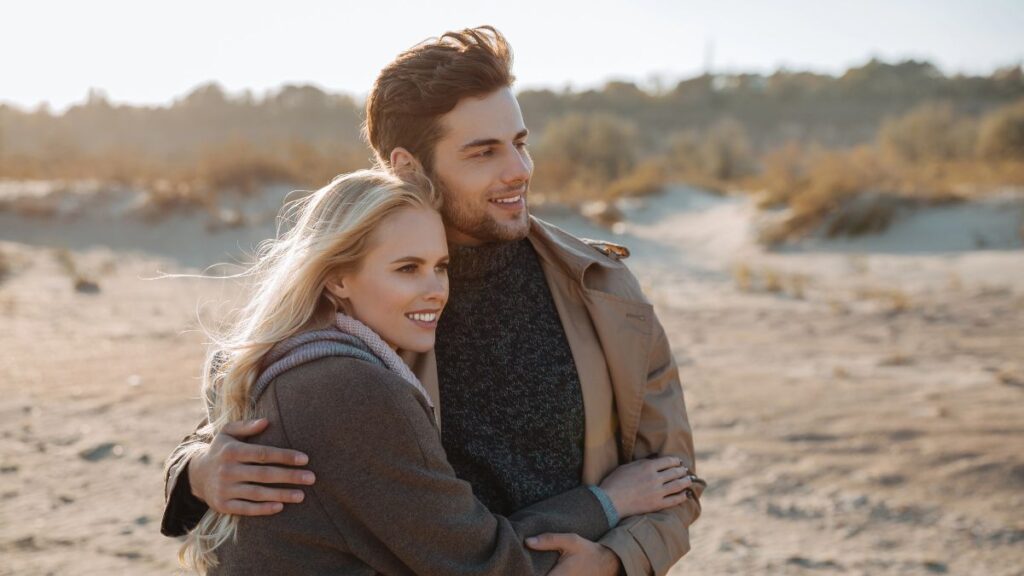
x=426 y=82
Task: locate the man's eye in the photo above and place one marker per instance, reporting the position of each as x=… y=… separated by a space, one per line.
x=485 y=153
x=520 y=145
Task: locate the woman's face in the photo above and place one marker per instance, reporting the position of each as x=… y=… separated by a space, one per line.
x=402 y=284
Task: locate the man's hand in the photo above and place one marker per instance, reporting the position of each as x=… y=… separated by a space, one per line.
x=228 y=473
x=579 y=555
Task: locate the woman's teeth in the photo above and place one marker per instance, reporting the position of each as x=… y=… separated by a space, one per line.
x=425 y=317
x=511 y=200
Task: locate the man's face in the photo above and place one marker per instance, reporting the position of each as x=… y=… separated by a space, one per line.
x=483 y=170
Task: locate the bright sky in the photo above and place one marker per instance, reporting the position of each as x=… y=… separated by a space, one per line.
x=149 y=52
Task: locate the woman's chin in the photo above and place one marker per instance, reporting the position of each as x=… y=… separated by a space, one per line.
x=417 y=345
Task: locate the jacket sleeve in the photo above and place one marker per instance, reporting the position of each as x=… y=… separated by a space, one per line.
x=182 y=510
x=385 y=483
x=652 y=543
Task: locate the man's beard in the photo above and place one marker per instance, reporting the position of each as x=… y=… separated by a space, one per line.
x=480 y=225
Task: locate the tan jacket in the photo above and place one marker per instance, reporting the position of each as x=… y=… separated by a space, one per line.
x=633 y=401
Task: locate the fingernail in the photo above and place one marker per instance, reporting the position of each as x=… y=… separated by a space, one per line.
x=531 y=540
x=301 y=460
x=297 y=496
x=308 y=477
x=277 y=507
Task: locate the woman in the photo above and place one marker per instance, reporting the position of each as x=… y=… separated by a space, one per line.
x=360 y=275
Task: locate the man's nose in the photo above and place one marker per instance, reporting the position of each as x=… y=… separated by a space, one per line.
x=518 y=169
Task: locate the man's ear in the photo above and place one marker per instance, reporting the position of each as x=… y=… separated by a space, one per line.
x=402 y=161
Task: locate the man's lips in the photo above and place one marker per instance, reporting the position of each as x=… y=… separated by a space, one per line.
x=514 y=199
x=508 y=200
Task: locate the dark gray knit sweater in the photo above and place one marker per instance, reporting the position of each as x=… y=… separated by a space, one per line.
x=511 y=405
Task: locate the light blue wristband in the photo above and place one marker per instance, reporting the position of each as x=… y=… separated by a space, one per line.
x=606 y=504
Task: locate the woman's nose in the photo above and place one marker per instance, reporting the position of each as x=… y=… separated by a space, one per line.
x=437 y=287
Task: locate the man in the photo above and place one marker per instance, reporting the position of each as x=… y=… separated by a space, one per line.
x=550 y=367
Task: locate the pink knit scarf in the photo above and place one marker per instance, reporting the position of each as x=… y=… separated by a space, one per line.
x=391 y=359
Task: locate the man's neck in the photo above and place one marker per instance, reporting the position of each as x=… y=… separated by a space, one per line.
x=461 y=239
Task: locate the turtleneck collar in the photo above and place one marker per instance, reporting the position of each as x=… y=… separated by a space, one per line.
x=469 y=263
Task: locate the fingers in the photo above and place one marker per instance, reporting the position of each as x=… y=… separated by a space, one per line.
x=672 y=473
x=244 y=508
x=675 y=500
x=550 y=541
x=257 y=493
x=259 y=454
x=678 y=485
x=666 y=462
x=244 y=428
x=270 y=475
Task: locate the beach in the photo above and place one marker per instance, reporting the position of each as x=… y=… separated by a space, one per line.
x=857 y=404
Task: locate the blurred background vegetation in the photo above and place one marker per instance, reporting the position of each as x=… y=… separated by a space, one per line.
x=801 y=140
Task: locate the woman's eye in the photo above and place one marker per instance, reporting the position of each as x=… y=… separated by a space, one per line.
x=442 y=267
x=408 y=268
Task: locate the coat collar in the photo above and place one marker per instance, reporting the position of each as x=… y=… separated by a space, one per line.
x=571 y=254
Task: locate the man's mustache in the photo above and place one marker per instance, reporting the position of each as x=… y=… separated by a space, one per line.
x=522 y=189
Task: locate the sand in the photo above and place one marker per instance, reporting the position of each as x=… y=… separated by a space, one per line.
x=858 y=408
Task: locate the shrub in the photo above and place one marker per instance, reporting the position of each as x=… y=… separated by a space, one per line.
x=1002 y=133
x=930 y=131
x=5 y=266
x=647 y=178
x=726 y=150
x=581 y=155
x=783 y=174
x=240 y=168
x=720 y=154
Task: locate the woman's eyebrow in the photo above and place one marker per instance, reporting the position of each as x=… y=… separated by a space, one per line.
x=414 y=259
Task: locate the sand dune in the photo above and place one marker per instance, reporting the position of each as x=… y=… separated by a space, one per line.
x=858 y=405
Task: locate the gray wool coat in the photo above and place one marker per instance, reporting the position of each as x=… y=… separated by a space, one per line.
x=386 y=501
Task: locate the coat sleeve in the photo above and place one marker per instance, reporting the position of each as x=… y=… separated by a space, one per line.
x=385 y=483
x=652 y=543
x=182 y=510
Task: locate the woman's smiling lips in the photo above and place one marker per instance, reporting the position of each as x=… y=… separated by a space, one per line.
x=424 y=318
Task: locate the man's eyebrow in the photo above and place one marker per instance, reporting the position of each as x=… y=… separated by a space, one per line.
x=492 y=141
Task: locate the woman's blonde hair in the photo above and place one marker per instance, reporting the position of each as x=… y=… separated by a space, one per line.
x=328 y=237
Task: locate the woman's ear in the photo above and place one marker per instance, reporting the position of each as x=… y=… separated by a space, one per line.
x=403 y=161
x=337 y=292
x=337 y=287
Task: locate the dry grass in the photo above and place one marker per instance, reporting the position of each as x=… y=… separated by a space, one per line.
x=895 y=299
x=926 y=156
x=769 y=280
x=79 y=281
x=197 y=181
x=5 y=266
x=743 y=277
x=647 y=178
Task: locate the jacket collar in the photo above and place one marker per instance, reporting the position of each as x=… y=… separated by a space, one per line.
x=571 y=254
